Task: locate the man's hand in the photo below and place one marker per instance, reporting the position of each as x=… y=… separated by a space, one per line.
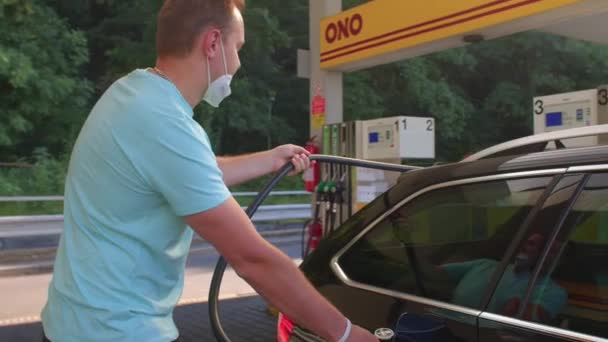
x=240 y=169
x=297 y=155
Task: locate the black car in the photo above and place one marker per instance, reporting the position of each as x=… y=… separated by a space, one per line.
x=507 y=245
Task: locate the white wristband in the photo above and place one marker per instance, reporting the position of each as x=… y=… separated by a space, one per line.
x=346 y=335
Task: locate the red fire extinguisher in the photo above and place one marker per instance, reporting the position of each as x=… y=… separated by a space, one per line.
x=312 y=176
x=314 y=233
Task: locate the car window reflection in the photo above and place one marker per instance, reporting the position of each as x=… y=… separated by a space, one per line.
x=445 y=244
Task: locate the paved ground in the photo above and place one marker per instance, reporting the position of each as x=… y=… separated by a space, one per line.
x=245 y=314
x=244 y=319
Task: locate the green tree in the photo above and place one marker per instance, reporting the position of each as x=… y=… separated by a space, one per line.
x=44 y=95
x=267 y=98
x=485 y=88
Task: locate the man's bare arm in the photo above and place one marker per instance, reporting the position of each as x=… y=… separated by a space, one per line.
x=243 y=168
x=240 y=169
x=269 y=271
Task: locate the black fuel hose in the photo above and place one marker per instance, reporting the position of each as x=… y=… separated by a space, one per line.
x=220 y=267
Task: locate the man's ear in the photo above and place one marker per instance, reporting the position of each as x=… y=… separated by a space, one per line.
x=210 y=42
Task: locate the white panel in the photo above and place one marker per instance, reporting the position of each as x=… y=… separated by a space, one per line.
x=602 y=111
x=417 y=137
x=303 y=63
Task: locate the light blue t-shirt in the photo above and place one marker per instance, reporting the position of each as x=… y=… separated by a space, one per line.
x=474 y=278
x=140 y=163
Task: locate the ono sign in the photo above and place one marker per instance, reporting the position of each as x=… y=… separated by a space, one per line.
x=381 y=31
x=344 y=28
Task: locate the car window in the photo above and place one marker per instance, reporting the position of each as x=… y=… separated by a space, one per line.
x=577 y=264
x=446 y=243
x=517 y=276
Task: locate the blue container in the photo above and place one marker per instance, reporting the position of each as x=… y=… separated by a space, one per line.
x=416 y=328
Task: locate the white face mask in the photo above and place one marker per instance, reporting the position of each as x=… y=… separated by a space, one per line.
x=219 y=89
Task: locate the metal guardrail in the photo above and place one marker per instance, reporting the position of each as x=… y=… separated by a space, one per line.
x=30 y=198
x=39 y=225
x=60 y=198
x=24 y=226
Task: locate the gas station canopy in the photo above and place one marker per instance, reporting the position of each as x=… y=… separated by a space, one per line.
x=384 y=31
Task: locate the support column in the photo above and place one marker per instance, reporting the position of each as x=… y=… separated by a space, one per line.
x=329 y=82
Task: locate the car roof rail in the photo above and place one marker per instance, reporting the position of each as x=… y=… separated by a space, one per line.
x=537 y=142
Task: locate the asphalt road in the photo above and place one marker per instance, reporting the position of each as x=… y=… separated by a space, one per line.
x=23 y=297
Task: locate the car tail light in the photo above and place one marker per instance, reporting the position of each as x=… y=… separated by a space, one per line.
x=285 y=328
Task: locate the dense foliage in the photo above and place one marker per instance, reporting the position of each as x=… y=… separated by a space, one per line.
x=58 y=56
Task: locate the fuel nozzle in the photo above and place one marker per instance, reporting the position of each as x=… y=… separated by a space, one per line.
x=340 y=188
x=320 y=191
x=330 y=189
x=330 y=192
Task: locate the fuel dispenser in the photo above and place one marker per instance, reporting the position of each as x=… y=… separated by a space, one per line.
x=571 y=110
x=343 y=190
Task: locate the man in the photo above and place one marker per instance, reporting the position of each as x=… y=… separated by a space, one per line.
x=547 y=300
x=142 y=171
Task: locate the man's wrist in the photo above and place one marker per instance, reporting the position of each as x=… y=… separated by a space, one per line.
x=337 y=329
x=347 y=331
x=268 y=161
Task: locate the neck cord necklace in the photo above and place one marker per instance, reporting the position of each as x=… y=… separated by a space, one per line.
x=161 y=74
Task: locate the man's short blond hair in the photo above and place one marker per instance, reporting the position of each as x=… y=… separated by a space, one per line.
x=181 y=21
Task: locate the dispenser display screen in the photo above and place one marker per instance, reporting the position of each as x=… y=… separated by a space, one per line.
x=554 y=119
x=374 y=137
